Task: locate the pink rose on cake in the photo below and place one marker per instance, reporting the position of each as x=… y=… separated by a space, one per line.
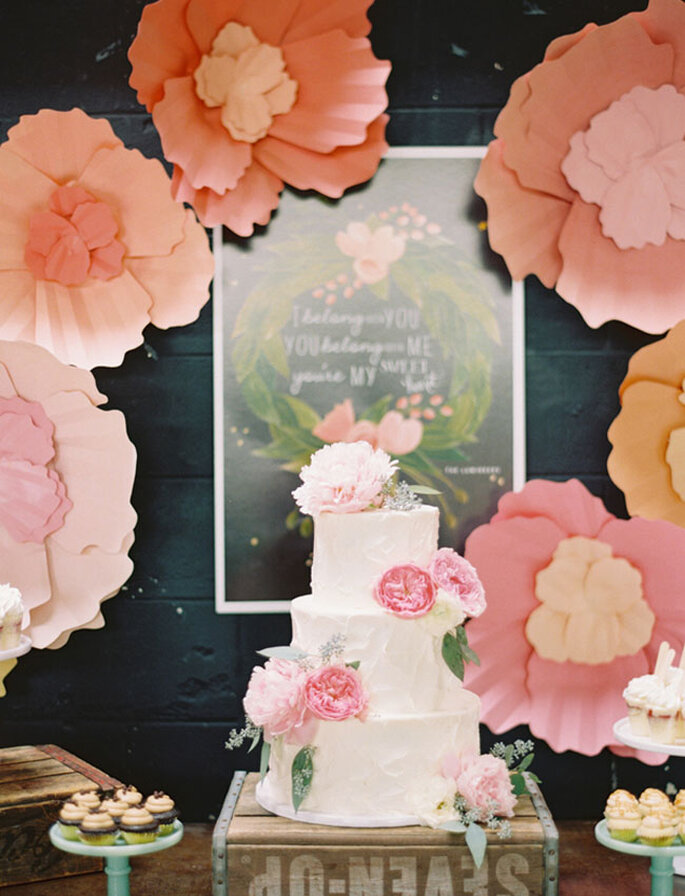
x=455 y=575
x=335 y=693
x=485 y=784
x=344 y=478
x=406 y=590
x=275 y=701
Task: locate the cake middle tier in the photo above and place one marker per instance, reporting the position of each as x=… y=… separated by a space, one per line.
x=400 y=660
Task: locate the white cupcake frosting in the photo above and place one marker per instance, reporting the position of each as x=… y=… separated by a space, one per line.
x=11 y=603
x=641 y=691
x=666 y=702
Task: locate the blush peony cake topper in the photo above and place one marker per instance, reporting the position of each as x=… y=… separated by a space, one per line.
x=577 y=610
x=248 y=96
x=584 y=181
x=94 y=248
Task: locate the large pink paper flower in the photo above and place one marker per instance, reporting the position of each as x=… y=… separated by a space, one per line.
x=394 y=433
x=93 y=247
x=66 y=474
x=578 y=602
x=585 y=181
x=275 y=701
x=335 y=693
x=248 y=95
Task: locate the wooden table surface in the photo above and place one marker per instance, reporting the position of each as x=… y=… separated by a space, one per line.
x=587 y=869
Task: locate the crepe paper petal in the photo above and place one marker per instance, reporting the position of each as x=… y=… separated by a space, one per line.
x=68 y=251
x=328 y=96
x=570 y=704
x=587 y=161
x=77 y=555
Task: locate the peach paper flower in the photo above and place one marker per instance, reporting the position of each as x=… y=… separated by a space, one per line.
x=249 y=95
x=585 y=183
x=373 y=250
x=648 y=435
x=394 y=433
x=578 y=602
x=66 y=474
x=93 y=247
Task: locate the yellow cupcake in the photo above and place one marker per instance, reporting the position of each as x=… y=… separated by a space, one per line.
x=163 y=809
x=70 y=816
x=98 y=829
x=620 y=799
x=138 y=826
x=652 y=799
x=622 y=823
x=656 y=830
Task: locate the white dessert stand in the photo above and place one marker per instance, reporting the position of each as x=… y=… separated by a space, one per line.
x=117 y=866
x=24 y=647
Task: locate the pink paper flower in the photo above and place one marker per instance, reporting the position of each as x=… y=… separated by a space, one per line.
x=395 y=434
x=406 y=590
x=343 y=478
x=373 y=250
x=455 y=575
x=275 y=701
x=66 y=474
x=584 y=181
x=94 y=248
x=485 y=784
x=578 y=602
x=248 y=96
x=335 y=693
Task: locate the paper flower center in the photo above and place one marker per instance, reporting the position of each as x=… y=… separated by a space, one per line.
x=74 y=240
x=592 y=606
x=247 y=80
x=631 y=163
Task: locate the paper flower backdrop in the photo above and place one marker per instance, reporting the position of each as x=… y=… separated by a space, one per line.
x=66 y=474
x=578 y=603
x=249 y=95
x=585 y=183
x=92 y=246
x=648 y=435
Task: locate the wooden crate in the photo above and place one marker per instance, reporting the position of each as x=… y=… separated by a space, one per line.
x=255 y=853
x=33 y=783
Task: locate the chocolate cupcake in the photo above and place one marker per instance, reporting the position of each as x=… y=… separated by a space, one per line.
x=89 y=798
x=70 y=816
x=115 y=808
x=129 y=794
x=163 y=809
x=138 y=826
x=98 y=829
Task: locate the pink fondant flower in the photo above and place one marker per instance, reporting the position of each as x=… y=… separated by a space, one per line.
x=343 y=478
x=406 y=590
x=66 y=474
x=485 y=784
x=93 y=248
x=455 y=575
x=584 y=181
x=395 y=434
x=335 y=693
x=275 y=700
x=248 y=96
x=578 y=602
x=373 y=250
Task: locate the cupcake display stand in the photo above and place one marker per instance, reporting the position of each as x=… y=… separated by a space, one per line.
x=14 y=652
x=666 y=860
x=116 y=856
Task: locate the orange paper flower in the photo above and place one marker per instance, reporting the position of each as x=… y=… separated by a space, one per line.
x=585 y=181
x=249 y=95
x=66 y=474
x=648 y=435
x=93 y=247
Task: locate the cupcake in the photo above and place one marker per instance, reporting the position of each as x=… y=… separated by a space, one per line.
x=129 y=795
x=98 y=829
x=114 y=808
x=637 y=695
x=138 y=826
x=620 y=799
x=88 y=798
x=163 y=809
x=656 y=830
x=679 y=802
x=623 y=823
x=664 y=708
x=653 y=800
x=11 y=615
x=70 y=816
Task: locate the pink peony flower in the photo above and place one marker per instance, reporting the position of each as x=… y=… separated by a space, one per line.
x=373 y=250
x=455 y=575
x=406 y=590
x=275 y=699
x=485 y=784
x=343 y=478
x=335 y=693
x=394 y=434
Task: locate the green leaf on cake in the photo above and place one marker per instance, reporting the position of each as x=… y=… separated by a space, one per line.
x=453 y=826
x=255 y=739
x=282 y=653
x=264 y=759
x=477 y=843
x=353 y=665
x=452 y=655
x=302 y=773
x=424 y=490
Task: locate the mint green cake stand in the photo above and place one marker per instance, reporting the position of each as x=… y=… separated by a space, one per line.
x=116 y=856
x=661 y=867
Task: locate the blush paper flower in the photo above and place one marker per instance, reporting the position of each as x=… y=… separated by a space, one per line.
x=394 y=433
x=93 y=247
x=578 y=603
x=248 y=96
x=66 y=474
x=585 y=181
x=648 y=436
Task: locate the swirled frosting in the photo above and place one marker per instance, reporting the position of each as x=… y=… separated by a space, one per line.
x=72 y=813
x=11 y=604
x=137 y=817
x=159 y=802
x=87 y=798
x=97 y=822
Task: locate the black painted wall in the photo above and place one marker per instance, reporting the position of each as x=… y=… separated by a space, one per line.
x=151 y=697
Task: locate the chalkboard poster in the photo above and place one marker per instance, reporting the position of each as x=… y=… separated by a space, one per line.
x=383 y=316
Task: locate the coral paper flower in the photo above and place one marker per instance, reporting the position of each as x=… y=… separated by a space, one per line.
x=248 y=96
x=584 y=183
x=394 y=433
x=66 y=474
x=93 y=247
x=578 y=602
x=648 y=435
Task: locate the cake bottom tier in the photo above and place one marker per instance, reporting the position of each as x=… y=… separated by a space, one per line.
x=378 y=772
